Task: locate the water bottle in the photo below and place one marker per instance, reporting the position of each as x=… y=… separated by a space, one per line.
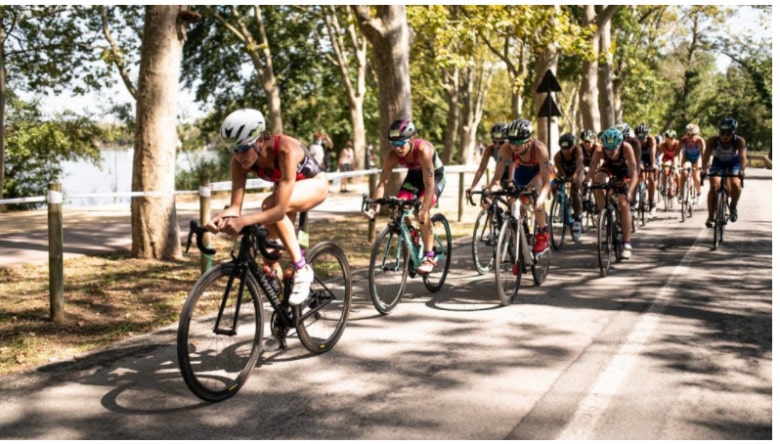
x=270 y=273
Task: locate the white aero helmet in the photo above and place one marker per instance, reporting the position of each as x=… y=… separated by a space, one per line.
x=243 y=126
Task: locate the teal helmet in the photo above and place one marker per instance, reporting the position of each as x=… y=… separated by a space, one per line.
x=611 y=139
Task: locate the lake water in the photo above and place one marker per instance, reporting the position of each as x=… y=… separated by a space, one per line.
x=113 y=176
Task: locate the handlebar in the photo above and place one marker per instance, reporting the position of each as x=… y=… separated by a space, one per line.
x=390 y=201
x=259 y=233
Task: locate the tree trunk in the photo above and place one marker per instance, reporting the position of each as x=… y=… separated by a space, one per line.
x=154 y=225
x=589 y=107
x=548 y=60
x=2 y=111
x=388 y=33
x=451 y=91
x=606 y=96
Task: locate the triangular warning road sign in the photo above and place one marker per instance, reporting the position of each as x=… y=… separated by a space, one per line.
x=549 y=83
x=549 y=108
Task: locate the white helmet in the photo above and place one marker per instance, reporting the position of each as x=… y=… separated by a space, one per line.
x=243 y=126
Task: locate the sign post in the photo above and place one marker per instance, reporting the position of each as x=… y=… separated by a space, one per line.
x=549 y=109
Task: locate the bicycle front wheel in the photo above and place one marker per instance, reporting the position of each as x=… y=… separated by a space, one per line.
x=387 y=270
x=321 y=320
x=558 y=221
x=720 y=221
x=483 y=242
x=442 y=246
x=541 y=266
x=604 y=240
x=508 y=267
x=220 y=333
x=685 y=197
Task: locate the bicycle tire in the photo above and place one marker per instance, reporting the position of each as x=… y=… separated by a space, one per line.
x=557 y=219
x=685 y=197
x=442 y=246
x=483 y=243
x=215 y=365
x=604 y=239
x=387 y=280
x=508 y=268
x=717 y=229
x=645 y=204
x=321 y=320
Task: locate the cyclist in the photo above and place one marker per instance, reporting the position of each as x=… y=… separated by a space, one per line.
x=588 y=146
x=299 y=185
x=528 y=160
x=498 y=136
x=669 y=150
x=691 y=149
x=424 y=180
x=619 y=165
x=728 y=152
x=569 y=165
x=648 y=161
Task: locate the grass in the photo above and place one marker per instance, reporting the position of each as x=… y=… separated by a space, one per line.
x=113 y=297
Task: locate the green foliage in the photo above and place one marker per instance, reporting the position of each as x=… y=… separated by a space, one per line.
x=36 y=148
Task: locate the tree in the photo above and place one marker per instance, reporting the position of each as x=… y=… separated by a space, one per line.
x=154 y=224
x=387 y=30
x=43 y=48
x=38 y=145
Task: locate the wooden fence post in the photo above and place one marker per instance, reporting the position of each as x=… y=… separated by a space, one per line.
x=371 y=190
x=204 y=191
x=461 y=194
x=56 y=286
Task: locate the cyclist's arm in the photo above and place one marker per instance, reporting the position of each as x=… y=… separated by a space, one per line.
x=742 y=152
x=631 y=163
x=238 y=189
x=558 y=162
x=504 y=157
x=594 y=164
x=544 y=170
x=653 y=152
x=707 y=153
x=426 y=162
x=289 y=158
x=578 y=161
x=487 y=153
x=390 y=162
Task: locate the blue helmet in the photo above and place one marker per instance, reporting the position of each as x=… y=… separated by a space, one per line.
x=728 y=125
x=612 y=138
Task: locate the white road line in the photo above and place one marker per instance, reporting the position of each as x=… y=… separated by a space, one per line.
x=592 y=408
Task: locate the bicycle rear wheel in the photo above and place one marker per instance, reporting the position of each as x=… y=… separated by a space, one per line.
x=321 y=320
x=557 y=220
x=483 y=242
x=604 y=240
x=388 y=270
x=217 y=348
x=508 y=268
x=442 y=246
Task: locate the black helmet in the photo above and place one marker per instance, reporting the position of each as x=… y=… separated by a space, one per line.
x=642 y=131
x=587 y=136
x=401 y=129
x=498 y=131
x=728 y=125
x=520 y=129
x=567 y=141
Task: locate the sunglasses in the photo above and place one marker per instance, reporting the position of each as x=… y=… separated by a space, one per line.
x=726 y=132
x=518 y=142
x=241 y=149
x=398 y=143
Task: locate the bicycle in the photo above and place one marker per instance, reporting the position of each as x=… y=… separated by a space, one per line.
x=561 y=217
x=687 y=190
x=399 y=250
x=667 y=186
x=221 y=328
x=642 y=200
x=722 y=208
x=486 y=229
x=513 y=252
x=609 y=238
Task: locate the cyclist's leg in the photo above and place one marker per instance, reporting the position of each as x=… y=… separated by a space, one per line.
x=712 y=195
x=697 y=177
x=600 y=178
x=735 y=189
x=576 y=196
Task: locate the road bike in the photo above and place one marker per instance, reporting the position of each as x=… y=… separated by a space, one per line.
x=486 y=230
x=399 y=250
x=513 y=253
x=667 y=186
x=561 y=214
x=221 y=328
x=609 y=238
x=722 y=208
x=687 y=192
x=642 y=200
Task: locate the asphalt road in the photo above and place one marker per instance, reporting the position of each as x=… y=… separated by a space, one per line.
x=674 y=344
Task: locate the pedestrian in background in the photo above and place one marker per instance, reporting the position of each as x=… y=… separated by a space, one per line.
x=346 y=163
